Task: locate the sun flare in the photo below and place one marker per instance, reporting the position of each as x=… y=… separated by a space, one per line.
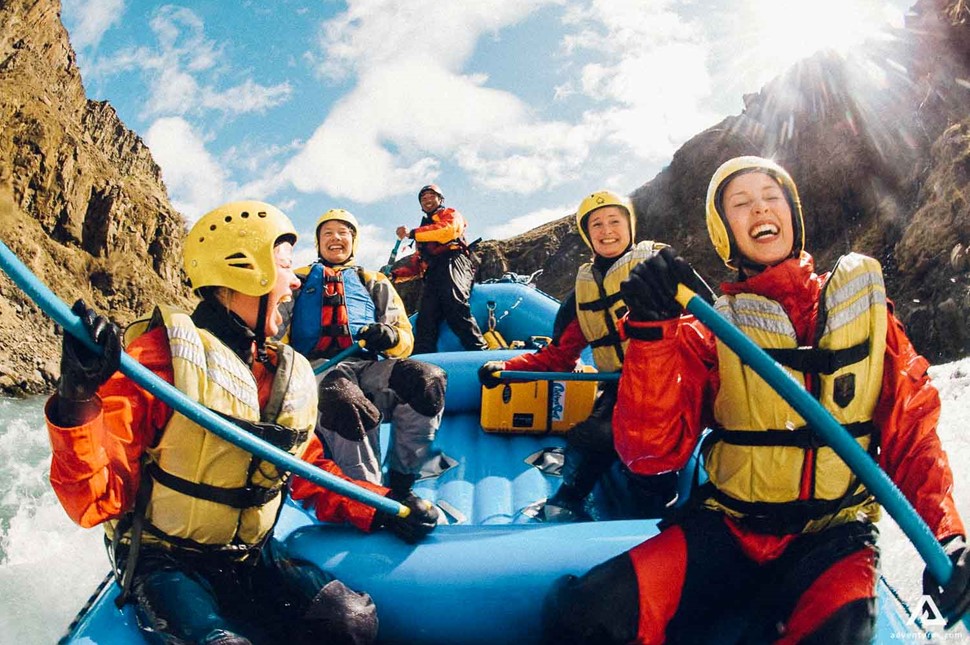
x=786 y=31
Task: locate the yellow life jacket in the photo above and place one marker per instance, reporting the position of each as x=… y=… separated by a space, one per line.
x=599 y=306
x=763 y=455
x=203 y=492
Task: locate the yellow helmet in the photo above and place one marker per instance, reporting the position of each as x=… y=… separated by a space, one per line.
x=599 y=200
x=717 y=226
x=232 y=246
x=342 y=216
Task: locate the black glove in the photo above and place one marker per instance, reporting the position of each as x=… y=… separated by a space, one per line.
x=486 y=373
x=953 y=599
x=344 y=408
x=378 y=337
x=650 y=290
x=422 y=519
x=83 y=371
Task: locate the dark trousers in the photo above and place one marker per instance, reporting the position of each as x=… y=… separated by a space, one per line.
x=447 y=289
x=267 y=598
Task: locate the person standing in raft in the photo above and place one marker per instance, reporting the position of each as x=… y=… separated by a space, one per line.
x=443 y=259
x=589 y=318
x=338 y=304
x=781 y=544
x=188 y=516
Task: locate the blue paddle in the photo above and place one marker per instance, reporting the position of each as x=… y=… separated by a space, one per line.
x=346 y=352
x=556 y=376
x=830 y=431
x=175 y=399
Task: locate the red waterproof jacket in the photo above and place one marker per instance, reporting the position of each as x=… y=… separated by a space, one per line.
x=95 y=467
x=440 y=232
x=560 y=355
x=668 y=385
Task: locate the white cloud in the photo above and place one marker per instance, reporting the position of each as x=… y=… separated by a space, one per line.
x=196 y=182
x=90 y=19
x=185 y=71
x=412 y=108
x=526 y=222
x=246 y=97
x=648 y=78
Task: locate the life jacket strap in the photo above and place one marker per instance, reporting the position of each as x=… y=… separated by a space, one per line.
x=783 y=518
x=802 y=437
x=601 y=304
x=820 y=361
x=241 y=497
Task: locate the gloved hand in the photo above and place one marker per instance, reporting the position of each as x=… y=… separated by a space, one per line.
x=421 y=521
x=486 y=373
x=344 y=408
x=378 y=337
x=650 y=290
x=953 y=599
x=82 y=370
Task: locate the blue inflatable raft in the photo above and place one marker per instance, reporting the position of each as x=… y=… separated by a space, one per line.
x=482 y=577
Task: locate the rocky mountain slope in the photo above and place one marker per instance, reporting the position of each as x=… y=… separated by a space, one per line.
x=879 y=145
x=81 y=199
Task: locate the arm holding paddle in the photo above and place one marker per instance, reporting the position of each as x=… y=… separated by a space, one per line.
x=906 y=415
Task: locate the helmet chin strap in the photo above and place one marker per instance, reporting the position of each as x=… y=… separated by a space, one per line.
x=260 y=330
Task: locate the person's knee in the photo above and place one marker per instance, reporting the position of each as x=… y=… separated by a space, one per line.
x=852 y=623
x=602 y=606
x=420 y=385
x=339 y=614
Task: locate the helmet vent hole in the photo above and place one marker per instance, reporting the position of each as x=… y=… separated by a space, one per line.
x=261 y=213
x=239 y=261
x=244 y=214
x=228 y=218
x=212 y=228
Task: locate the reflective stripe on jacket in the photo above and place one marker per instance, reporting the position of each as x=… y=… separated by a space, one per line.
x=764 y=461
x=599 y=306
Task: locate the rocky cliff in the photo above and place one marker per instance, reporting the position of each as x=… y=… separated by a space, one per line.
x=879 y=145
x=81 y=199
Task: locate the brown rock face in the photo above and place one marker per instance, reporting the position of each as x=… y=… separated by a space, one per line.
x=879 y=145
x=84 y=205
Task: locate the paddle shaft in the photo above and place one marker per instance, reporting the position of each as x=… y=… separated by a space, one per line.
x=556 y=376
x=346 y=352
x=829 y=430
x=174 y=398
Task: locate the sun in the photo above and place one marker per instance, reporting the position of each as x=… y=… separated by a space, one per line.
x=781 y=32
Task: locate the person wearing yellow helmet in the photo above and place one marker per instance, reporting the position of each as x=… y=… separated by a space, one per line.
x=187 y=514
x=337 y=304
x=444 y=260
x=780 y=511
x=589 y=317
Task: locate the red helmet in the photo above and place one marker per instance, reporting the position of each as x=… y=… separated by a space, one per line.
x=432 y=188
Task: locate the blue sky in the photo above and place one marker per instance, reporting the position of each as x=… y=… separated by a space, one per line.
x=517 y=109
